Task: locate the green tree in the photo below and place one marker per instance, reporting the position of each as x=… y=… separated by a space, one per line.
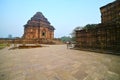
x=90 y=26
x=65 y=38
x=10 y=36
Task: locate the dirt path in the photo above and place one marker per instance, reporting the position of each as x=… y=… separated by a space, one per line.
x=56 y=62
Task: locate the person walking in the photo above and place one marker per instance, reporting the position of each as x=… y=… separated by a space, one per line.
x=68 y=44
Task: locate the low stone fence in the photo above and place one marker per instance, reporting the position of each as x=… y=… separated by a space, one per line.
x=25 y=41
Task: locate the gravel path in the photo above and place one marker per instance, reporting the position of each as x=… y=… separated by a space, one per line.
x=56 y=62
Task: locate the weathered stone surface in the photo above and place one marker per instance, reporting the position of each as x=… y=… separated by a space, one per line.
x=56 y=62
x=38 y=27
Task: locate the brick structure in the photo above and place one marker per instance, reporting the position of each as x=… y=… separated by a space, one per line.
x=110 y=12
x=38 y=28
x=106 y=35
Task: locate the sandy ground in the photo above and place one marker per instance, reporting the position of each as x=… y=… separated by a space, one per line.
x=56 y=62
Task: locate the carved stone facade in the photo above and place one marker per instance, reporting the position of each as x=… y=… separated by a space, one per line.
x=106 y=35
x=110 y=12
x=103 y=37
x=38 y=27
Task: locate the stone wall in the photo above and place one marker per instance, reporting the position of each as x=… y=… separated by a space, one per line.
x=106 y=36
x=110 y=12
x=26 y=41
x=103 y=37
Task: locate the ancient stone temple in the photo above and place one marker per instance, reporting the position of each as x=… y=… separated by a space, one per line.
x=110 y=12
x=38 y=28
x=106 y=35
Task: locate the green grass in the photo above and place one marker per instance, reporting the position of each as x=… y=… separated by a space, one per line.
x=2 y=46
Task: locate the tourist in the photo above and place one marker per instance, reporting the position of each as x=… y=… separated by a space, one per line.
x=68 y=44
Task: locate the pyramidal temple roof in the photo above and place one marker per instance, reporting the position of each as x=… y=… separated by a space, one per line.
x=39 y=17
x=36 y=19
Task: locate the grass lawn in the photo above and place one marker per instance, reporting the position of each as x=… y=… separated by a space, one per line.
x=2 y=46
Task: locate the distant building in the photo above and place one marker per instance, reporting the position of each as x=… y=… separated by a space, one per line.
x=110 y=12
x=38 y=27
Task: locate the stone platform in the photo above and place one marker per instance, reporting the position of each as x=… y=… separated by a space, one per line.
x=56 y=62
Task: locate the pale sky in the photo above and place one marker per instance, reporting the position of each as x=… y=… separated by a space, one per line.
x=64 y=15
